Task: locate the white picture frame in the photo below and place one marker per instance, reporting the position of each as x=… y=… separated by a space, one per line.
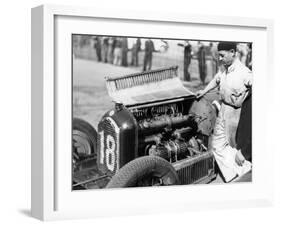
x=52 y=197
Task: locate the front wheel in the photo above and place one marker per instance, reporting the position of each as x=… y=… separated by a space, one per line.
x=145 y=171
x=84 y=141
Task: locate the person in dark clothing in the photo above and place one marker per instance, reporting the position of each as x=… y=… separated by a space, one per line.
x=105 y=46
x=214 y=58
x=148 y=51
x=201 y=55
x=111 y=46
x=186 y=60
x=135 y=53
x=249 y=57
x=117 y=53
x=97 y=45
x=244 y=130
x=124 y=61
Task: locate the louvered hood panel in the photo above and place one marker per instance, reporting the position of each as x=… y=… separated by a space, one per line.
x=147 y=87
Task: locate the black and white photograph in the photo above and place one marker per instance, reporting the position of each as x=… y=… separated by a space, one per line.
x=167 y=111
x=159 y=111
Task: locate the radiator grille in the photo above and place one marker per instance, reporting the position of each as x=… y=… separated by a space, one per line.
x=196 y=170
x=108 y=128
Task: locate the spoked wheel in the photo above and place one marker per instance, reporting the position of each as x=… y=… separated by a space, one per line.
x=84 y=138
x=145 y=171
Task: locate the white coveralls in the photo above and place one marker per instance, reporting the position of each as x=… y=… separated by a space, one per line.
x=233 y=88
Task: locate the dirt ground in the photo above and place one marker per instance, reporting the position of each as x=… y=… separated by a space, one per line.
x=90 y=98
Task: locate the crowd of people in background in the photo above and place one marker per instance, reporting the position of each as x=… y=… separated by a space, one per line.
x=210 y=52
x=115 y=50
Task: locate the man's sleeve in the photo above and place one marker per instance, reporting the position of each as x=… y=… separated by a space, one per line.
x=237 y=99
x=217 y=77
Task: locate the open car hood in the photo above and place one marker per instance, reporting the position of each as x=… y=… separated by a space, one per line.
x=147 y=87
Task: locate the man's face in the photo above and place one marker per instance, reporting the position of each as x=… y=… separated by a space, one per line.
x=226 y=57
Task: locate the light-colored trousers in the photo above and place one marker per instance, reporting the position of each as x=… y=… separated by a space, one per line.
x=223 y=143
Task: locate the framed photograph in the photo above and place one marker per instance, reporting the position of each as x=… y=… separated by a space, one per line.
x=136 y=112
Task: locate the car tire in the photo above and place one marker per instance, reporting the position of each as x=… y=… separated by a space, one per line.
x=141 y=171
x=85 y=137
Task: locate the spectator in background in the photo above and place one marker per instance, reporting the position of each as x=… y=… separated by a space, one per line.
x=201 y=55
x=97 y=46
x=249 y=56
x=124 y=52
x=105 y=49
x=135 y=53
x=148 y=51
x=75 y=42
x=242 y=52
x=186 y=59
x=111 y=46
x=117 y=52
x=214 y=57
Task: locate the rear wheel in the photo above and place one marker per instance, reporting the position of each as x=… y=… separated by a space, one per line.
x=145 y=171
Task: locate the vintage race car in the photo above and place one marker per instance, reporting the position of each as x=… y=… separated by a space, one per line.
x=156 y=134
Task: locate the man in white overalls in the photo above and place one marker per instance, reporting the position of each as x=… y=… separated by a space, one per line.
x=233 y=82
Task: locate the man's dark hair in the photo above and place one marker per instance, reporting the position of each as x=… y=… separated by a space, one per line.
x=227 y=46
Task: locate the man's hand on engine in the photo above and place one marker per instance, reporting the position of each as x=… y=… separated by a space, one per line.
x=200 y=94
x=239 y=158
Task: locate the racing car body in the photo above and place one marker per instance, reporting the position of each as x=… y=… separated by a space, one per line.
x=156 y=134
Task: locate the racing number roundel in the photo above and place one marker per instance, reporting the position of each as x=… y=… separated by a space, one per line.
x=108 y=151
